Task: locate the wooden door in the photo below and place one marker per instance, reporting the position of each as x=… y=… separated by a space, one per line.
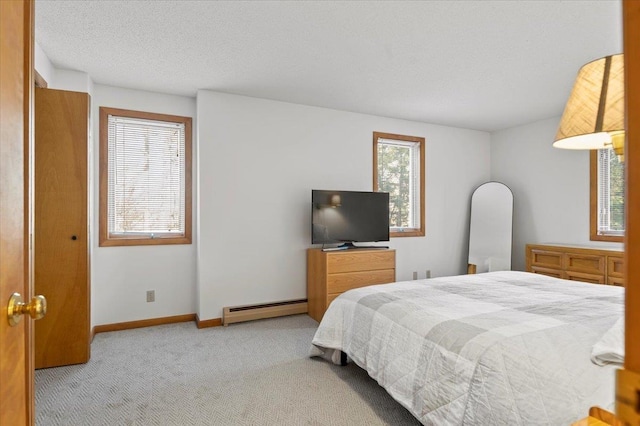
x=16 y=356
x=628 y=387
x=632 y=160
x=61 y=226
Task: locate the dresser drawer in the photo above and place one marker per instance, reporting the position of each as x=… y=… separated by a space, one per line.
x=585 y=263
x=615 y=266
x=339 y=283
x=585 y=278
x=354 y=261
x=556 y=273
x=616 y=281
x=546 y=259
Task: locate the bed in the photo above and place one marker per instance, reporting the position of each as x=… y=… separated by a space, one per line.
x=501 y=348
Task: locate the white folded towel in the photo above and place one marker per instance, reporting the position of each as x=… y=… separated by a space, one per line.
x=610 y=348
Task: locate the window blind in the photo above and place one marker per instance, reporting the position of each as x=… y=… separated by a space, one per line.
x=610 y=194
x=146 y=188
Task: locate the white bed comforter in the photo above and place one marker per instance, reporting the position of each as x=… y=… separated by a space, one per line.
x=501 y=348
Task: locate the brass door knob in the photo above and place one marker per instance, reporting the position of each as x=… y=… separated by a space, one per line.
x=36 y=309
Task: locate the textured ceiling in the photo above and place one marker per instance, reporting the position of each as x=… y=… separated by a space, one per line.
x=483 y=65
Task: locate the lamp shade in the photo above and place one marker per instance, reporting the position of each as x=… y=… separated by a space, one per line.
x=595 y=110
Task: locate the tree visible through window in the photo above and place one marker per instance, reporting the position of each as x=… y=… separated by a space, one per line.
x=607 y=196
x=145 y=191
x=399 y=170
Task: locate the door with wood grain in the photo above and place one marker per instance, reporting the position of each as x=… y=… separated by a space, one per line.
x=628 y=386
x=16 y=360
x=61 y=231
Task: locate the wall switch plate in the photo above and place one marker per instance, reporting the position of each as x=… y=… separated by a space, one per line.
x=151 y=296
x=415 y=275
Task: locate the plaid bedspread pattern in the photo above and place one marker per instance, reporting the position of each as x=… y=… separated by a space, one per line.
x=502 y=348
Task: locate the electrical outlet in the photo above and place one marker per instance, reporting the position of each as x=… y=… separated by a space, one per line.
x=428 y=273
x=415 y=275
x=151 y=296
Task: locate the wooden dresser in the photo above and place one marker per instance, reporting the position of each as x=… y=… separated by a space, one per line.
x=576 y=263
x=331 y=273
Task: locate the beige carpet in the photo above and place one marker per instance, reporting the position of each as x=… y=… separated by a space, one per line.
x=255 y=373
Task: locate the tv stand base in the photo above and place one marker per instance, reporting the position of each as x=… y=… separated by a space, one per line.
x=351 y=246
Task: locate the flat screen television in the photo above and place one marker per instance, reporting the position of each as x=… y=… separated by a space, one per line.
x=349 y=217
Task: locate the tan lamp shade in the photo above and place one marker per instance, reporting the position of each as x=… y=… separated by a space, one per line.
x=594 y=115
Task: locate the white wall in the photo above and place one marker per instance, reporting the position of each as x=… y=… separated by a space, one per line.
x=289 y=150
x=76 y=81
x=259 y=160
x=550 y=187
x=120 y=276
x=61 y=79
x=42 y=64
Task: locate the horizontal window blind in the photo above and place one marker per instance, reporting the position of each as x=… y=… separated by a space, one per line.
x=146 y=187
x=610 y=194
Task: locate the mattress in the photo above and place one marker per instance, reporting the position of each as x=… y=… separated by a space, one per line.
x=500 y=348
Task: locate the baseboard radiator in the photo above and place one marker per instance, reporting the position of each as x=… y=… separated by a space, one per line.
x=234 y=314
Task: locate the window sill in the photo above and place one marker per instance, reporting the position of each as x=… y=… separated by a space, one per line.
x=407 y=233
x=136 y=241
x=610 y=238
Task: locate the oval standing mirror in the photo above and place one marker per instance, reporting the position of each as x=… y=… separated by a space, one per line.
x=491 y=228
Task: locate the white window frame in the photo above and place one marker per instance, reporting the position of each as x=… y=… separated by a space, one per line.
x=108 y=237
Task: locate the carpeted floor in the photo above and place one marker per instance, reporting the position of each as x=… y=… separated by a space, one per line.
x=255 y=373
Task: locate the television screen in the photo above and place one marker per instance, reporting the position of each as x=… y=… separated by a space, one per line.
x=349 y=216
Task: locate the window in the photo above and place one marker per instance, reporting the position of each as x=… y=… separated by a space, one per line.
x=145 y=178
x=398 y=168
x=607 y=196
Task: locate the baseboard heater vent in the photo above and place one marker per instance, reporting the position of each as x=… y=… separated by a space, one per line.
x=264 y=310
